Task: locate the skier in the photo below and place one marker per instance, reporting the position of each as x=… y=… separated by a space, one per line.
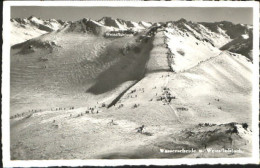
x=140 y=129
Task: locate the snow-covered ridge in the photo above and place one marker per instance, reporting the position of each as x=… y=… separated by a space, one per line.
x=242 y=44
x=187 y=50
x=28 y=28
x=192 y=43
x=223 y=35
x=45 y=25
x=232 y=30
x=123 y=24
x=201 y=32
x=217 y=34
x=106 y=26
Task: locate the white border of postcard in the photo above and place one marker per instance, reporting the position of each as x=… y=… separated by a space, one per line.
x=189 y=161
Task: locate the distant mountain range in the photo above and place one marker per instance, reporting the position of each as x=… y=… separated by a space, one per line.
x=224 y=35
x=25 y=29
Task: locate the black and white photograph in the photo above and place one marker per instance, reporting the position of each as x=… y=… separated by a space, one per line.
x=133 y=81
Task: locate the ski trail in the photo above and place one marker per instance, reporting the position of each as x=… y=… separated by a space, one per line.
x=167 y=82
x=175 y=112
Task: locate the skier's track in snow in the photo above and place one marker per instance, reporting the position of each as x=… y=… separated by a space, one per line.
x=121 y=94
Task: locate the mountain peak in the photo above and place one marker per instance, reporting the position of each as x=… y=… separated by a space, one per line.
x=182 y=20
x=111 y=22
x=32 y=17
x=86 y=19
x=106 y=18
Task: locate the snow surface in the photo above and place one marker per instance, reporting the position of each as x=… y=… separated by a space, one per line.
x=145 y=24
x=134 y=74
x=245 y=36
x=186 y=50
x=25 y=29
x=21 y=34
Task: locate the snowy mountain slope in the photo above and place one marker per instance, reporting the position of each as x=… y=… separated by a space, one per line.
x=25 y=29
x=191 y=43
x=231 y=29
x=240 y=34
x=215 y=88
x=106 y=26
x=186 y=50
x=145 y=24
x=20 y=34
x=86 y=26
x=224 y=35
x=171 y=77
x=180 y=46
x=196 y=90
x=216 y=38
x=123 y=24
x=108 y=21
x=76 y=62
x=242 y=45
x=134 y=25
x=158 y=60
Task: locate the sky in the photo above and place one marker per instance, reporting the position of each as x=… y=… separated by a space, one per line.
x=151 y=14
